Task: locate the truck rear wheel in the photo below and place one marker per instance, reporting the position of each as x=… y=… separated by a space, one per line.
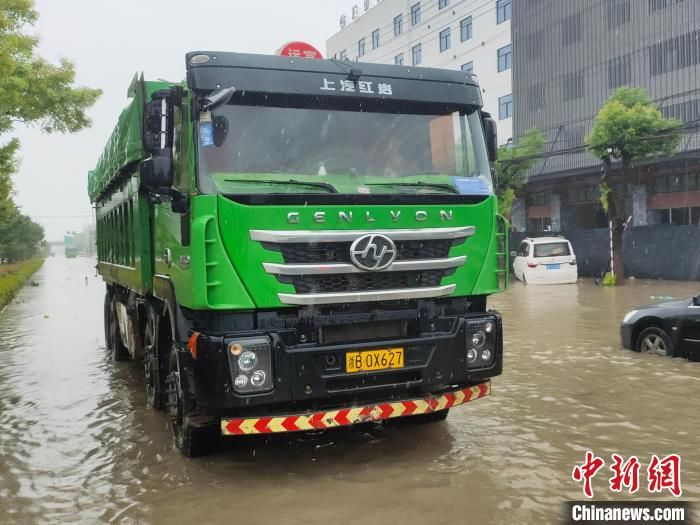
x=113 y=340
x=153 y=350
x=195 y=434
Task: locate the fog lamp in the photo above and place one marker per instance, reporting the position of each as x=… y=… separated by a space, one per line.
x=486 y=355
x=478 y=339
x=472 y=355
x=258 y=378
x=488 y=327
x=241 y=381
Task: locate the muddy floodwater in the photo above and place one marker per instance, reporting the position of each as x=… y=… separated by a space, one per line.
x=78 y=443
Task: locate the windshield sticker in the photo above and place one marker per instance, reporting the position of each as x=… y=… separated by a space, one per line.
x=362 y=86
x=206 y=134
x=471 y=186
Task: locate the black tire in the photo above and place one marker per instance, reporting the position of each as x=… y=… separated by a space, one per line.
x=654 y=340
x=113 y=340
x=155 y=369
x=195 y=434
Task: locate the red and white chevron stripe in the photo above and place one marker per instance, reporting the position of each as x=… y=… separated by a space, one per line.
x=351 y=416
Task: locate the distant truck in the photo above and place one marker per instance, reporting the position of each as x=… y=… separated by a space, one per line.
x=70 y=245
x=295 y=244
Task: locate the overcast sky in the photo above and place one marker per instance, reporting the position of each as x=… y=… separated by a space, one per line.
x=109 y=40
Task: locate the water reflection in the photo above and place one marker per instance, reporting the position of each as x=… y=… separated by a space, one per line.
x=79 y=443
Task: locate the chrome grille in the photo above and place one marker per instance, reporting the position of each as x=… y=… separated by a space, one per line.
x=337 y=252
x=365 y=281
x=318 y=264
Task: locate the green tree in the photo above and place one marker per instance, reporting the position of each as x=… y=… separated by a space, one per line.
x=628 y=127
x=20 y=237
x=32 y=91
x=512 y=166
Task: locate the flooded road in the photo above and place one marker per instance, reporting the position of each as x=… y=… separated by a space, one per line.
x=78 y=443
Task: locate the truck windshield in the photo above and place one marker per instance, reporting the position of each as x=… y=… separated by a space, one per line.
x=257 y=149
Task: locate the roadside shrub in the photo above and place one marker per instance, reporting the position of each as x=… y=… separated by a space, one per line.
x=13 y=276
x=609 y=280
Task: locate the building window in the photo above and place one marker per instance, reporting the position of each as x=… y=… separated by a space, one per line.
x=618 y=13
x=505 y=107
x=676 y=183
x=375 y=39
x=398 y=59
x=675 y=53
x=536 y=97
x=539 y=224
x=366 y=5
x=571 y=29
x=676 y=216
x=619 y=71
x=344 y=54
x=656 y=5
x=355 y=12
x=540 y=198
x=415 y=14
x=688 y=111
x=445 y=39
x=505 y=58
x=573 y=86
x=442 y=4
x=468 y=67
x=398 y=25
x=503 y=8
x=361 y=48
x=417 y=53
x=584 y=194
x=465 y=28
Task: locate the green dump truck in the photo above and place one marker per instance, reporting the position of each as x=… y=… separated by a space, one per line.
x=70 y=245
x=294 y=244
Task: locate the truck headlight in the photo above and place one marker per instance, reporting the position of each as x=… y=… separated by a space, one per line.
x=250 y=360
x=628 y=316
x=247 y=361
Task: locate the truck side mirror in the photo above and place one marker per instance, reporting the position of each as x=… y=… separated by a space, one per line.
x=157 y=173
x=491 y=135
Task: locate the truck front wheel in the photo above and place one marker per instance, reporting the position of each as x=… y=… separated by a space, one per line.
x=195 y=434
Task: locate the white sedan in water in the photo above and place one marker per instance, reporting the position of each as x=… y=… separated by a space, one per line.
x=545 y=260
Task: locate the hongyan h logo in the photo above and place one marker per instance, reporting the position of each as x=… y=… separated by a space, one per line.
x=373 y=252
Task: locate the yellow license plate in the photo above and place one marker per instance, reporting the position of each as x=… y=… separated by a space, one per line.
x=373 y=360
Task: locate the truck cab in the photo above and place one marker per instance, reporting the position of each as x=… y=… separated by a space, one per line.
x=294 y=244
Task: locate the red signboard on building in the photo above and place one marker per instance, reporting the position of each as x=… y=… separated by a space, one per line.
x=300 y=50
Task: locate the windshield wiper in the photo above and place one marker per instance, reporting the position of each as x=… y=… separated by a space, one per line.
x=321 y=185
x=446 y=187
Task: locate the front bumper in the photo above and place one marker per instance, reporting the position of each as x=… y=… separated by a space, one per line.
x=626 y=335
x=309 y=421
x=312 y=376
